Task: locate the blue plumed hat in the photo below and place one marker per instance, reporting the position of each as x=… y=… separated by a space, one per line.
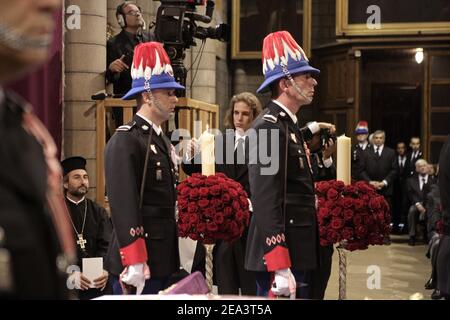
x=280 y=51
x=150 y=70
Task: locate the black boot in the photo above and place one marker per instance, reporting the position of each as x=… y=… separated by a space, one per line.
x=436 y=295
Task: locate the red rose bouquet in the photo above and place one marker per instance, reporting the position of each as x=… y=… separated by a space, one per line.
x=354 y=215
x=212 y=208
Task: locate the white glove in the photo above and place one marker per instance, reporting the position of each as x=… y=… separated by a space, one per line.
x=284 y=283
x=250 y=207
x=74 y=280
x=193 y=147
x=135 y=275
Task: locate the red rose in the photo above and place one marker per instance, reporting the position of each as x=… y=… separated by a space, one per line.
x=358 y=204
x=324 y=242
x=333 y=236
x=336 y=212
x=236 y=205
x=203 y=203
x=227 y=211
x=182 y=203
x=368 y=220
x=183 y=190
x=338 y=185
x=357 y=220
x=322 y=187
x=323 y=231
x=361 y=231
x=347 y=203
x=226 y=197
x=211 y=226
x=215 y=190
x=201 y=227
x=193 y=194
x=347 y=233
x=348 y=214
x=375 y=203
x=215 y=203
x=332 y=194
x=218 y=217
x=194 y=236
x=208 y=212
x=350 y=190
x=337 y=223
x=233 y=193
x=324 y=213
x=193 y=218
x=192 y=207
x=204 y=192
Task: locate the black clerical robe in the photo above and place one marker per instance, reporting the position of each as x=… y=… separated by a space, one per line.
x=96 y=232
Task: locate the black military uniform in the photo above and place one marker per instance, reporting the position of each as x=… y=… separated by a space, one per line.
x=281 y=238
x=148 y=234
x=29 y=250
x=229 y=271
x=357 y=161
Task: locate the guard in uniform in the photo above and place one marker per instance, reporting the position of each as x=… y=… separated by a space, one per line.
x=283 y=239
x=90 y=224
x=35 y=244
x=361 y=134
x=140 y=168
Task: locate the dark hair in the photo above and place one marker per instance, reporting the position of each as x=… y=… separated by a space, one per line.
x=247 y=97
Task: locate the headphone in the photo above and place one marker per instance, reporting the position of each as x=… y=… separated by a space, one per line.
x=120 y=15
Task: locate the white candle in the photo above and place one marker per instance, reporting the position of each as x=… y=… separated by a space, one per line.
x=343 y=171
x=207 y=151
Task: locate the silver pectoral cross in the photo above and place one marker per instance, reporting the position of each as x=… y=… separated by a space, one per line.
x=81 y=242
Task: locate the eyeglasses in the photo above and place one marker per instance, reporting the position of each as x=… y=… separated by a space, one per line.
x=133 y=13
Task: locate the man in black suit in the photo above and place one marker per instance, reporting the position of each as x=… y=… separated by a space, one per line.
x=120 y=48
x=417 y=188
x=443 y=258
x=140 y=172
x=35 y=243
x=379 y=166
x=400 y=198
x=414 y=154
x=229 y=272
x=323 y=170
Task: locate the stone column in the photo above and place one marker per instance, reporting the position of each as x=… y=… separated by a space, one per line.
x=85 y=63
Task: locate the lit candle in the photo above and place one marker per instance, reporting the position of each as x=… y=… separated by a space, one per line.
x=207 y=150
x=343 y=172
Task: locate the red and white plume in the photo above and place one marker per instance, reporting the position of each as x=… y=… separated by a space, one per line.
x=150 y=59
x=278 y=47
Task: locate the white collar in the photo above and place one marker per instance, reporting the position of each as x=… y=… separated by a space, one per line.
x=293 y=116
x=75 y=202
x=238 y=135
x=363 y=145
x=157 y=129
x=380 y=148
x=423 y=177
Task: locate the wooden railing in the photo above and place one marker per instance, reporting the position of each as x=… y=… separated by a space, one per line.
x=189 y=111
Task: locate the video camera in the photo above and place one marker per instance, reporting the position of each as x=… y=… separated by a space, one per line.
x=176 y=28
x=325 y=135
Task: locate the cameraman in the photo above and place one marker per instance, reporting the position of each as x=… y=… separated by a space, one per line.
x=322 y=145
x=119 y=50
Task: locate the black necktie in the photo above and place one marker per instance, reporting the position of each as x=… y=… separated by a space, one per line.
x=401 y=164
x=423 y=182
x=377 y=151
